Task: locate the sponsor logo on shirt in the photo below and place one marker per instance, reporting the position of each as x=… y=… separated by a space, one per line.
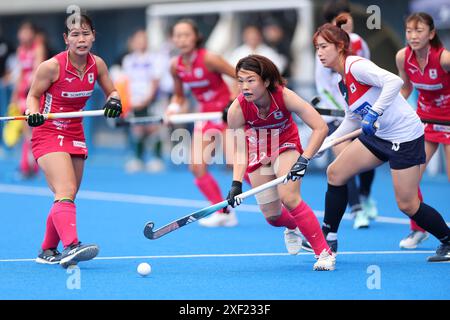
x=70 y=79
x=78 y=94
x=79 y=144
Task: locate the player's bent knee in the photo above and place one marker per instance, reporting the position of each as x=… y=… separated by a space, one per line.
x=408 y=207
x=334 y=176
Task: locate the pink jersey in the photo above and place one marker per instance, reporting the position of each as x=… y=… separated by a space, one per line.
x=433 y=84
x=208 y=87
x=268 y=137
x=27 y=59
x=68 y=94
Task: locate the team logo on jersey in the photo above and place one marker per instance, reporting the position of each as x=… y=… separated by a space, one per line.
x=91 y=77
x=433 y=74
x=352 y=88
x=198 y=72
x=278 y=115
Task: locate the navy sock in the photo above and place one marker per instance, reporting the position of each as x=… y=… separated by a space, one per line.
x=430 y=220
x=365 y=182
x=353 y=195
x=336 y=200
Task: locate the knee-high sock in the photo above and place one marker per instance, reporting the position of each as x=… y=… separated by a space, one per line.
x=353 y=195
x=429 y=219
x=51 y=237
x=283 y=220
x=335 y=204
x=64 y=220
x=309 y=226
x=414 y=225
x=365 y=182
x=209 y=187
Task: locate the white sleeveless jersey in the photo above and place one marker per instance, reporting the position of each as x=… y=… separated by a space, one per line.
x=369 y=86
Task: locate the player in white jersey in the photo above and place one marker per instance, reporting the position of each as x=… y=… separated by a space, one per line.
x=392 y=132
x=362 y=207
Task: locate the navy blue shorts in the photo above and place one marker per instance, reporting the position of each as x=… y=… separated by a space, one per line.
x=400 y=155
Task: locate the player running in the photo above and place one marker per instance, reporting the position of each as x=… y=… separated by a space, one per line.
x=425 y=64
x=362 y=207
x=63 y=84
x=392 y=132
x=202 y=72
x=272 y=149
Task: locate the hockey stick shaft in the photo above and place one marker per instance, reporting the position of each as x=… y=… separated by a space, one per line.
x=181 y=222
x=60 y=115
x=173 y=119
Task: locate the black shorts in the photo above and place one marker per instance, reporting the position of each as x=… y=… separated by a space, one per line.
x=400 y=155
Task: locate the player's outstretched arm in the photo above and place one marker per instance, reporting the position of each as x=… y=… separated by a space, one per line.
x=310 y=117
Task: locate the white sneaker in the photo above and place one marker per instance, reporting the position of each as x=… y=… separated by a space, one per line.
x=370 y=207
x=361 y=220
x=325 y=262
x=155 y=165
x=293 y=240
x=219 y=220
x=413 y=239
x=134 y=165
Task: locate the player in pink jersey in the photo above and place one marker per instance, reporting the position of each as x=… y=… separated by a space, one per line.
x=63 y=84
x=30 y=53
x=392 y=132
x=202 y=72
x=268 y=146
x=425 y=64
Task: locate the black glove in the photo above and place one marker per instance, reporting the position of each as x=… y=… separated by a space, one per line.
x=236 y=189
x=35 y=119
x=298 y=169
x=225 y=112
x=113 y=108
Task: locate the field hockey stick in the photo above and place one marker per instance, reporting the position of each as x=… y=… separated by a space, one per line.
x=152 y=234
x=341 y=113
x=60 y=115
x=172 y=119
x=326 y=112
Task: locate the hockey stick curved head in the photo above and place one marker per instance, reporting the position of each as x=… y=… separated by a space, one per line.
x=148 y=230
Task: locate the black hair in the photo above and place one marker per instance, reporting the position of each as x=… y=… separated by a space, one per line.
x=193 y=24
x=84 y=19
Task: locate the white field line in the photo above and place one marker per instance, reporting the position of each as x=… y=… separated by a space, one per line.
x=236 y=255
x=162 y=201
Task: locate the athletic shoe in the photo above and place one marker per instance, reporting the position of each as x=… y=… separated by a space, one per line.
x=155 y=165
x=333 y=244
x=370 y=207
x=78 y=252
x=134 y=165
x=48 y=256
x=325 y=262
x=442 y=254
x=293 y=240
x=218 y=219
x=413 y=239
x=361 y=220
